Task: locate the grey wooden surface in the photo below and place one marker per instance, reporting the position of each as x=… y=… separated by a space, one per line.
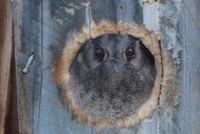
x=42 y=26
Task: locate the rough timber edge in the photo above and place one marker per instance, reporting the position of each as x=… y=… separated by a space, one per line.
x=61 y=69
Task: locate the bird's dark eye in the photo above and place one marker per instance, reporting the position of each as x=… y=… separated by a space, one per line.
x=99 y=53
x=130 y=52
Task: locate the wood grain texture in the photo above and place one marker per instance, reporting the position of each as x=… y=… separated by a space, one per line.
x=190 y=83
x=43 y=26
x=5 y=60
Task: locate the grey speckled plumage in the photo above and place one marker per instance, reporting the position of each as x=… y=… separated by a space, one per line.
x=112 y=85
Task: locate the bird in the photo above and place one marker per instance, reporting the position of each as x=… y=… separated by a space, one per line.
x=111 y=76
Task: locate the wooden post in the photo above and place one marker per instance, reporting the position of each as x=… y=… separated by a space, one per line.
x=6 y=47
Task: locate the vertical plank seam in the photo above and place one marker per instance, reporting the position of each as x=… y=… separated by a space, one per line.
x=162 y=69
x=42 y=57
x=185 y=69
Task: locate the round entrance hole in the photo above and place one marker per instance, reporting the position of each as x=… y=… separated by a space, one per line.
x=110 y=79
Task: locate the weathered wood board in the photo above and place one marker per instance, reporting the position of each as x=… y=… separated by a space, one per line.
x=43 y=26
x=6 y=49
